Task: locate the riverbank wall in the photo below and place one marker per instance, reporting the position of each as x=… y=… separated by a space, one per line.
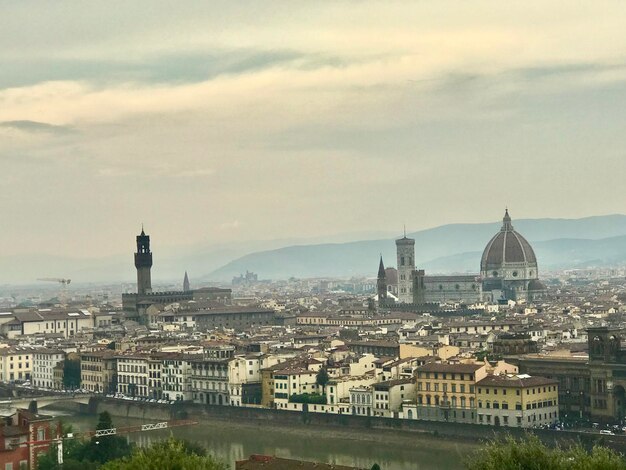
x=381 y=428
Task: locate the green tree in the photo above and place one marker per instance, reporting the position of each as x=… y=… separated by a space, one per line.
x=375 y=467
x=530 y=453
x=48 y=460
x=313 y=398
x=322 y=378
x=71 y=373
x=167 y=455
x=349 y=335
x=102 y=449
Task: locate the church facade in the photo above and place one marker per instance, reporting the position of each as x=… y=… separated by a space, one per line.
x=508 y=271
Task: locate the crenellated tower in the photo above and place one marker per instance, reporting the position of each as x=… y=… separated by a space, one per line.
x=143 y=263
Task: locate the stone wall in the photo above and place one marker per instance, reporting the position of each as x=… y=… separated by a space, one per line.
x=210 y=413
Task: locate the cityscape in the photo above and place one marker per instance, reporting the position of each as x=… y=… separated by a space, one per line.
x=322 y=235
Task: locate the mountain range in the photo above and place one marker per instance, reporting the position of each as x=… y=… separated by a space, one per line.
x=455 y=248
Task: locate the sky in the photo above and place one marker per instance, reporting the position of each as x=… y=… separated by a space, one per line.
x=214 y=122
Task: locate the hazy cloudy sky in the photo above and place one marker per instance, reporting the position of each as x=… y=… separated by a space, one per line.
x=215 y=121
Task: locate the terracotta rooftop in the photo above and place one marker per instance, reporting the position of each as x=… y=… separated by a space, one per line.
x=267 y=462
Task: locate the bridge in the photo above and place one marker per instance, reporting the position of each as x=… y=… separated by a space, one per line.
x=43 y=401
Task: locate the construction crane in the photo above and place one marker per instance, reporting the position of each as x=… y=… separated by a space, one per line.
x=64 y=283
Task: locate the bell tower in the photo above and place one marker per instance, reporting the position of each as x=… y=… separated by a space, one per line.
x=405 y=248
x=381 y=282
x=143 y=263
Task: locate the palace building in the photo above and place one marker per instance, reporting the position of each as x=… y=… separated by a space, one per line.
x=135 y=305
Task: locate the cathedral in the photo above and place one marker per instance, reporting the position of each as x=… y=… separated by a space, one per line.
x=508 y=271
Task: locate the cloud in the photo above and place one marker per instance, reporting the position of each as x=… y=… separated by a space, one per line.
x=232 y=225
x=159 y=171
x=296 y=116
x=182 y=67
x=37 y=127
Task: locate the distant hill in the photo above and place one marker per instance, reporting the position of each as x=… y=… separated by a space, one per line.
x=559 y=243
x=444 y=249
x=553 y=254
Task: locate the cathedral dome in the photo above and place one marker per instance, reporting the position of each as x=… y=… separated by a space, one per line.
x=507 y=247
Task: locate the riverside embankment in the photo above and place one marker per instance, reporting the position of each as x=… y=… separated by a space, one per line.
x=310 y=425
x=235 y=439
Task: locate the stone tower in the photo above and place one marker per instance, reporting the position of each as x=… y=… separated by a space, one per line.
x=419 y=291
x=405 y=248
x=186 y=287
x=143 y=263
x=381 y=282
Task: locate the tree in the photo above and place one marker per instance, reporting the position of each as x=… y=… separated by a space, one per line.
x=166 y=455
x=530 y=453
x=105 y=448
x=375 y=467
x=311 y=398
x=322 y=378
x=49 y=459
x=71 y=373
x=350 y=335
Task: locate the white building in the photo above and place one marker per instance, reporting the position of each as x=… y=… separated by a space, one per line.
x=244 y=377
x=132 y=375
x=44 y=361
x=361 y=399
x=176 y=377
x=47 y=321
x=389 y=396
x=209 y=375
x=294 y=381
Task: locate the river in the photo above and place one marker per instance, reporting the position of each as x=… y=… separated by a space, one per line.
x=231 y=441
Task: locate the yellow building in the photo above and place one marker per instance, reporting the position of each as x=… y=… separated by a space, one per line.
x=98 y=371
x=446 y=392
x=16 y=364
x=517 y=400
x=267 y=388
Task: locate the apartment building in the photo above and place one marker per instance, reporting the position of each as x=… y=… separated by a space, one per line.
x=244 y=377
x=209 y=375
x=517 y=400
x=446 y=392
x=389 y=396
x=44 y=361
x=133 y=372
x=294 y=380
x=16 y=364
x=98 y=371
x=176 y=377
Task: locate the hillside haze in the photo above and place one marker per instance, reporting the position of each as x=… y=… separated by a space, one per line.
x=453 y=248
